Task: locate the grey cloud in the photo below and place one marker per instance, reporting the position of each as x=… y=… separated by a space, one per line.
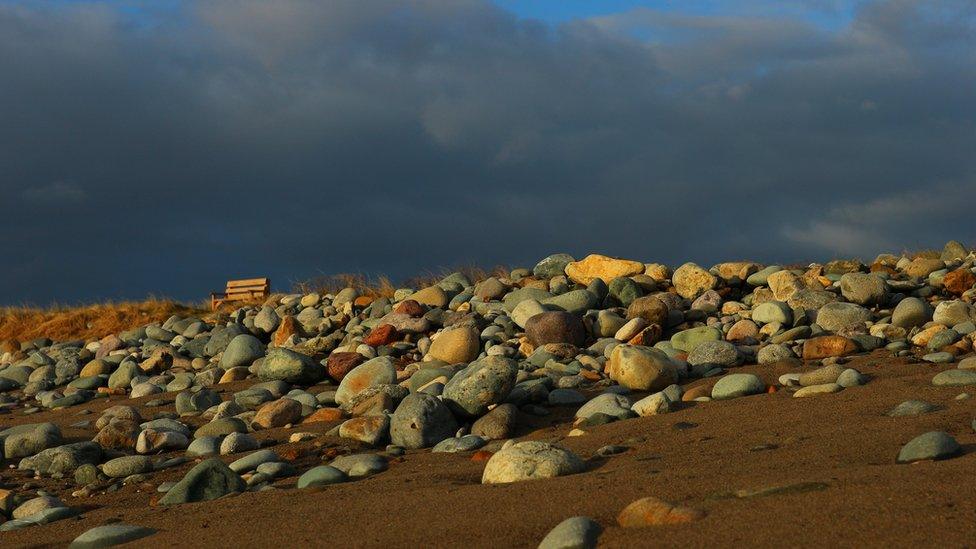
x=289 y=138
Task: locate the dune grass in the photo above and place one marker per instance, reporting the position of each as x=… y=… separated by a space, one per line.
x=62 y=322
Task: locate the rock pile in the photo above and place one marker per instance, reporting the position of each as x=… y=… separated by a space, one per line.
x=454 y=366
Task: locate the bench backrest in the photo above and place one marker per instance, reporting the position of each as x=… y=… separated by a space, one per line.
x=250 y=288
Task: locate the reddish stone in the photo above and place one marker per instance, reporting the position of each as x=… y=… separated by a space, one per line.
x=324 y=415
x=647 y=337
x=411 y=308
x=697 y=391
x=381 y=335
x=278 y=413
x=958 y=281
x=288 y=327
x=119 y=434
x=362 y=301
x=481 y=455
x=654 y=512
x=828 y=346
x=293 y=453
x=340 y=364
x=108 y=344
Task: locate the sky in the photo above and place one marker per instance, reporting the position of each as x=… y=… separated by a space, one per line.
x=163 y=148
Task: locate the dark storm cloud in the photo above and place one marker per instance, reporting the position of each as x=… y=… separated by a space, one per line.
x=165 y=152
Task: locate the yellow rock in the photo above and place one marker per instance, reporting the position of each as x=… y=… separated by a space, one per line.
x=95 y=367
x=691 y=281
x=784 y=284
x=433 y=296
x=604 y=267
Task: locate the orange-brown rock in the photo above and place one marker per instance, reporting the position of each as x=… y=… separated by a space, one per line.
x=481 y=455
x=652 y=511
x=410 y=307
x=340 y=364
x=604 y=267
x=277 y=413
x=237 y=373
x=959 y=281
x=649 y=308
x=647 y=337
x=160 y=360
x=381 y=335
x=828 y=346
x=697 y=391
x=922 y=338
x=923 y=266
x=119 y=434
x=736 y=270
x=363 y=301
x=95 y=367
x=325 y=415
x=288 y=327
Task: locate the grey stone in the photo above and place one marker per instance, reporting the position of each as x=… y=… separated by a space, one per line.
x=530 y=460
x=955 y=378
x=124 y=466
x=932 y=445
x=421 y=421
x=322 y=475
x=719 y=353
x=287 y=365
x=110 y=535
x=573 y=533
x=911 y=312
x=360 y=465
x=466 y=443
x=482 y=383
x=607 y=403
x=243 y=350
x=208 y=480
x=737 y=385
x=837 y=316
x=912 y=408
x=63 y=459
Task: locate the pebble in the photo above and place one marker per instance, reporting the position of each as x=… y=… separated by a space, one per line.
x=110 y=535
x=322 y=475
x=360 y=465
x=737 y=385
x=912 y=408
x=954 y=378
x=651 y=511
x=530 y=460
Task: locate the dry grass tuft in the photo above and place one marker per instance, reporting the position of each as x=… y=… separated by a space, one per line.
x=62 y=323
x=384 y=287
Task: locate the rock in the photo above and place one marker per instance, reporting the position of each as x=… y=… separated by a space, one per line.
x=953 y=250
x=455 y=345
x=530 y=460
x=955 y=378
x=837 y=316
x=784 y=284
x=243 y=350
x=208 y=480
x=687 y=340
x=151 y=441
x=652 y=511
x=110 y=535
x=27 y=440
x=36 y=505
x=932 y=445
x=279 y=413
x=374 y=373
x=554 y=265
x=959 y=281
x=691 y=281
x=221 y=427
x=825 y=374
x=524 y=311
x=322 y=475
x=371 y=430
x=253 y=460
x=433 y=296
x=188 y=402
x=360 y=465
x=828 y=346
x=482 y=383
x=203 y=446
x=383 y=334
x=641 y=368
x=421 y=421
x=649 y=308
x=576 y=301
x=950 y=313
x=851 y=378
x=813 y=390
x=737 y=385
x=603 y=267
x=63 y=459
x=774 y=353
x=610 y=404
x=911 y=312
x=922 y=267
x=499 y=423
x=624 y=291
x=287 y=365
x=125 y=466
x=863 y=289
x=773 y=311
x=453 y=445
x=235 y=443
x=652 y=405
x=912 y=408
x=341 y=363
x=573 y=533
x=719 y=353
x=555 y=327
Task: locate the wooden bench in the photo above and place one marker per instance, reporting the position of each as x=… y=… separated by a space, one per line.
x=241 y=290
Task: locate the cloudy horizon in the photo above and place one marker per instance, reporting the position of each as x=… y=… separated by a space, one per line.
x=163 y=151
